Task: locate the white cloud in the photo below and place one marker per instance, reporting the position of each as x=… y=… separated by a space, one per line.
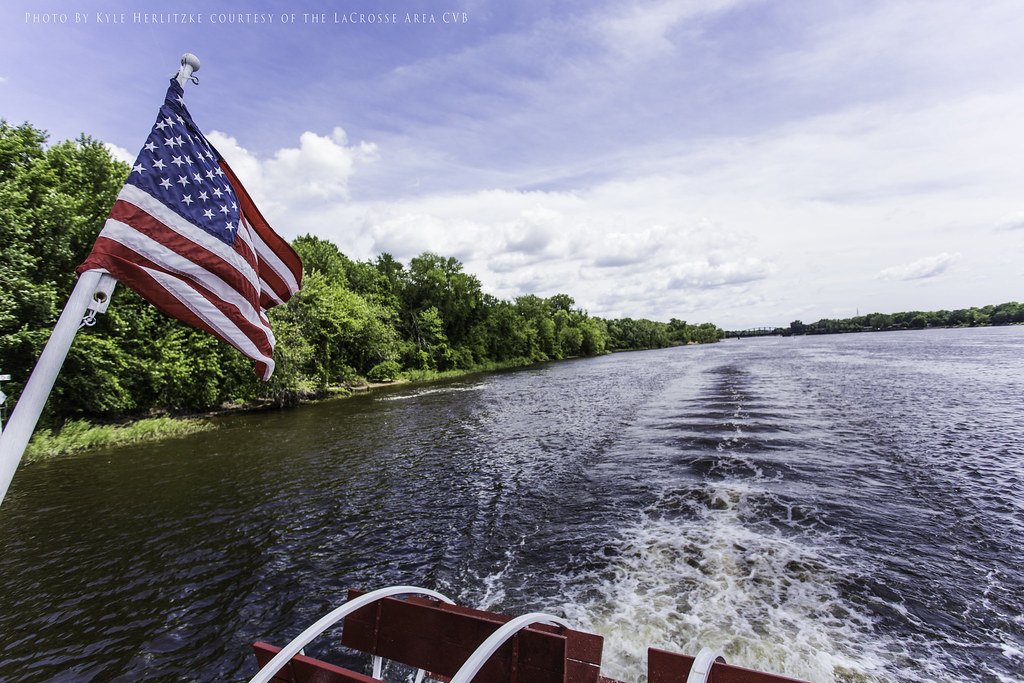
x=532 y=234
x=614 y=261
x=407 y=233
x=317 y=171
x=246 y=166
x=321 y=167
x=119 y=153
x=619 y=247
x=713 y=272
x=1014 y=221
x=930 y=266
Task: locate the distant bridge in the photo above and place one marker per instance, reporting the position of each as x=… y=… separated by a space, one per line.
x=753 y=332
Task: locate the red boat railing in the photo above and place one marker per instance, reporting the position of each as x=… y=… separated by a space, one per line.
x=454 y=644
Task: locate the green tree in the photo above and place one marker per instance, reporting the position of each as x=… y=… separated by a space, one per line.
x=1010 y=312
x=53 y=203
x=570 y=339
x=561 y=302
x=438 y=282
x=540 y=329
x=341 y=333
x=678 y=331
x=505 y=336
x=321 y=256
x=880 y=321
x=595 y=336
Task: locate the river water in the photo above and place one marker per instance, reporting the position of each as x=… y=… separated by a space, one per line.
x=841 y=508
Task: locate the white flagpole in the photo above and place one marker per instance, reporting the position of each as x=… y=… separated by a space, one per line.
x=91 y=292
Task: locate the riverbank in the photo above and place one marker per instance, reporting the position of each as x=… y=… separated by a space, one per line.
x=76 y=436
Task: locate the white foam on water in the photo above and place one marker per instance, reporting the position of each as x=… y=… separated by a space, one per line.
x=769 y=602
x=419 y=393
x=494 y=584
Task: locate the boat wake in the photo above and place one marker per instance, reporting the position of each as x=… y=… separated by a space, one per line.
x=683 y=582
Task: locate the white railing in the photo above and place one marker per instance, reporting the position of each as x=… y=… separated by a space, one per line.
x=293 y=648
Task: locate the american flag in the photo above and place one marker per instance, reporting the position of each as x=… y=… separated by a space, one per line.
x=185 y=235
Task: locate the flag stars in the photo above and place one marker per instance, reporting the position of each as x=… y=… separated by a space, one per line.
x=159 y=164
x=188 y=160
x=224 y=210
x=160 y=125
x=208 y=213
x=210 y=175
x=150 y=146
x=177 y=161
x=138 y=168
x=230 y=226
x=204 y=196
x=183 y=181
x=217 y=193
x=187 y=199
x=165 y=183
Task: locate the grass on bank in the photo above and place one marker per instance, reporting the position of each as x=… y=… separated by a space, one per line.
x=79 y=435
x=428 y=375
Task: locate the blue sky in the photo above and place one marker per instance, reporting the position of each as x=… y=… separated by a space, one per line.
x=744 y=162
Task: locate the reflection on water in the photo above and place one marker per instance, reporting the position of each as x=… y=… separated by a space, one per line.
x=842 y=508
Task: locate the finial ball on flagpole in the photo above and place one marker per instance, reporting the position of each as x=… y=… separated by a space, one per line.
x=191 y=60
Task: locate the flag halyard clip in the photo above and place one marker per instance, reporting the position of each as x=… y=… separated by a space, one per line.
x=181 y=79
x=100 y=299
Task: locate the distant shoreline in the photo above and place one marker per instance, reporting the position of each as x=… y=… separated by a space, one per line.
x=816 y=331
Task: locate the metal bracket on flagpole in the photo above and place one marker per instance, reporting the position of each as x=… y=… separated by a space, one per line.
x=100 y=299
x=189 y=65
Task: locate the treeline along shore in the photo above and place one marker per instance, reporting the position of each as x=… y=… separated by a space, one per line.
x=353 y=321
x=1008 y=313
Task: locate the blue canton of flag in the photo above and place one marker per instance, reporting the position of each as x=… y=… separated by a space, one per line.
x=179 y=167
